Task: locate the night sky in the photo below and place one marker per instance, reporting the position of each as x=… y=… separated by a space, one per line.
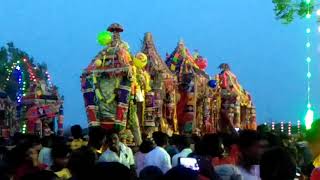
x=267 y=56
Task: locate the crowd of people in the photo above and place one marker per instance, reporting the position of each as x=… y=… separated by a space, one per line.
x=242 y=155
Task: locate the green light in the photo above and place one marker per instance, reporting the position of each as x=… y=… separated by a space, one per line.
x=308 y=30
x=308 y=16
x=308 y=118
x=308 y=59
x=308 y=1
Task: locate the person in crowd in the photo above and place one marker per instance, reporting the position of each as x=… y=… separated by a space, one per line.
x=81 y=163
x=214 y=150
x=225 y=160
x=5 y=171
x=24 y=158
x=158 y=156
x=250 y=153
x=212 y=146
x=228 y=172
x=60 y=157
x=41 y=175
x=151 y=173
x=172 y=148
x=117 y=152
x=97 y=138
x=45 y=152
x=305 y=158
x=313 y=138
x=208 y=147
x=77 y=142
x=230 y=153
x=277 y=164
x=36 y=142
x=180 y=172
x=145 y=147
x=195 y=140
x=183 y=145
x=111 y=170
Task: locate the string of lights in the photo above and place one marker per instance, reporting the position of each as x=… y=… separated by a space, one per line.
x=309 y=114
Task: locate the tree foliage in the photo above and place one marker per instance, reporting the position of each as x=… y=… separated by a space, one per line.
x=287 y=10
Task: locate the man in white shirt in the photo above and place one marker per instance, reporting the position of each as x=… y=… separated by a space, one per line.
x=158 y=156
x=184 y=148
x=117 y=152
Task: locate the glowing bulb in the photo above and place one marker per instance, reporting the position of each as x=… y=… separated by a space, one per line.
x=309 y=75
x=308 y=16
x=308 y=44
x=318 y=12
x=308 y=59
x=309 y=118
x=308 y=30
x=308 y=105
x=308 y=1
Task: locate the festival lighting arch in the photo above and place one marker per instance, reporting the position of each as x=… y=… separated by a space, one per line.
x=38 y=103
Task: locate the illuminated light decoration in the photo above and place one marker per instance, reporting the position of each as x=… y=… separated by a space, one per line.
x=309 y=114
x=20 y=84
x=308 y=16
x=308 y=1
x=48 y=78
x=24 y=128
x=318 y=12
x=308 y=59
x=289 y=128
x=272 y=125
x=308 y=30
x=309 y=75
x=309 y=118
x=308 y=44
x=281 y=126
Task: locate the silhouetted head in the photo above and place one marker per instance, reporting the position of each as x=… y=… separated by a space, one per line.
x=277 y=164
x=76 y=131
